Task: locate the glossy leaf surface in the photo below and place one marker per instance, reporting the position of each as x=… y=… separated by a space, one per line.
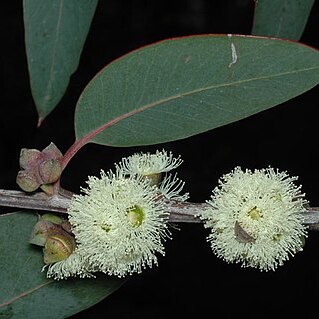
x=25 y=291
x=184 y=86
x=55 y=32
x=281 y=19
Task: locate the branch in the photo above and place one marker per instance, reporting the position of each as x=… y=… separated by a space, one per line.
x=38 y=201
x=180 y=212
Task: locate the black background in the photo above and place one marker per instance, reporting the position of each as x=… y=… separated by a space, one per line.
x=190 y=280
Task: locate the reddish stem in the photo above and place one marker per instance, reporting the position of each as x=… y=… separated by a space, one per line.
x=74 y=148
x=78 y=144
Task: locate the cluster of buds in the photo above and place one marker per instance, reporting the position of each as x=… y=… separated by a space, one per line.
x=39 y=169
x=53 y=233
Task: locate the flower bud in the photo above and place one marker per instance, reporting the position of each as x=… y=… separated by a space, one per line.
x=29 y=158
x=48 y=189
x=154 y=179
x=66 y=226
x=41 y=231
x=58 y=246
x=52 y=218
x=64 y=223
x=52 y=152
x=50 y=171
x=39 y=168
x=27 y=181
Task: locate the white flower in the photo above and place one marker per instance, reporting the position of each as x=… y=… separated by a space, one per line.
x=152 y=167
x=255 y=218
x=149 y=165
x=119 y=225
x=171 y=186
x=75 y=265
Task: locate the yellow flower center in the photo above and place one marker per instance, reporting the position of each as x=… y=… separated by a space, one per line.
x=277 y=237
x=135 y=216
x=255 y=214
x=106 y=227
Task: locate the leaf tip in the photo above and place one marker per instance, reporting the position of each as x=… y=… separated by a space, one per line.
x=40 y=120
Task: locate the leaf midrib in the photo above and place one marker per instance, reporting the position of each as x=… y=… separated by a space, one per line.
x=54 y=51
x=114 y=121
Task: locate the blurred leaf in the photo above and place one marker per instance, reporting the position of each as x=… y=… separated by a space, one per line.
x=55 y=32
x=25 y=291
x=281 y=19
x=184 y=86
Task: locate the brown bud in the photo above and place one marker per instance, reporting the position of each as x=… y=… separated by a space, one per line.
x=67 y=226
x=29 y=158
x=58 y=246
x=50 y=171
x=27 y=181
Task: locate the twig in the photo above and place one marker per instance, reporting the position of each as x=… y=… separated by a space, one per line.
x=180 y=212
x=37 y=201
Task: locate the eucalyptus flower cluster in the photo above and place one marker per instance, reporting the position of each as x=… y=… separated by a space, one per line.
x=255 y=218
x=120 y=219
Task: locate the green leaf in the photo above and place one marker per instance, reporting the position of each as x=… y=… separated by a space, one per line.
x=184 y=86
x=281 y=19
x=25 y=291
x=55 y=32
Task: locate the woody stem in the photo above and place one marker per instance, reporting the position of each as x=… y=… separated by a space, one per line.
x=180 y=212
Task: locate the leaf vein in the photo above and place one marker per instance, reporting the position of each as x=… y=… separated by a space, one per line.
x=26 y=293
